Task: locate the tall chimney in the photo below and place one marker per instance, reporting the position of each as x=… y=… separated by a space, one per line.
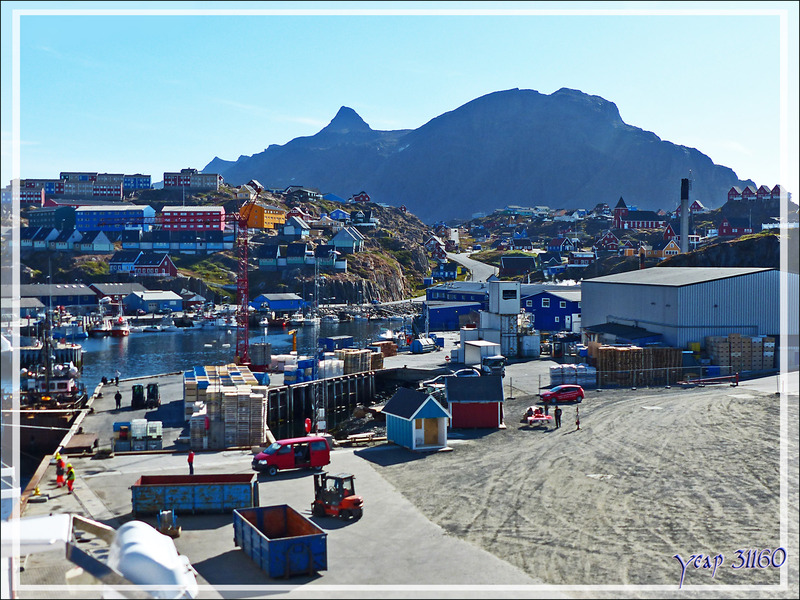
x=684 y=216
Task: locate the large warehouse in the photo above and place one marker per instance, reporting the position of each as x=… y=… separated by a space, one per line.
x=685 y=304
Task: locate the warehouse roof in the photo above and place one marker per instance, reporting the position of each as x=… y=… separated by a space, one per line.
x=488 y=388
x=676 y=276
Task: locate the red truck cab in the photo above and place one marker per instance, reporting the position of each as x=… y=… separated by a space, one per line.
x=310 y=452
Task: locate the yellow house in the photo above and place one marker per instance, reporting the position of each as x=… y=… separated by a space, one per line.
x=263 y=216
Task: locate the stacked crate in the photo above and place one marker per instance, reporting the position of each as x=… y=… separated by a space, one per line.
x=768 y=358
x=741 y=352
x=230 y=416
x=198 y=436
x=388 y=348
x=718 y=350
x=376 y=361
x=735 y=344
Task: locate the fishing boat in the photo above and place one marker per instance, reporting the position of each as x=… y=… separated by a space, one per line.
x=297 y=319
x=330 y=319
x=120 y=327
x=152 y=328
x=100 y=328
x=168 y=324
x=70 y=331
x=51 y=393
x=312 y=320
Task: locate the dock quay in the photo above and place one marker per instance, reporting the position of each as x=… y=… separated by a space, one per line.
x=420 y=550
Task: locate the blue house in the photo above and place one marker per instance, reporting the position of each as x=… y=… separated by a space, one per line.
x=416 y=421
x=340 y=215
x=553 y=310
x=447 y=270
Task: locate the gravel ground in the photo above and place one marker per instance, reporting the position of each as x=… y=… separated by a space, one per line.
x=649 y=474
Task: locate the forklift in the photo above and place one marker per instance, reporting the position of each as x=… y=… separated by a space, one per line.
x=153 y=396
x=335 y=496
x=137 y=396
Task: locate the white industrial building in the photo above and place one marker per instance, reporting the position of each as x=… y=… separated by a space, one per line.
x=686 y=304
x=504 y=329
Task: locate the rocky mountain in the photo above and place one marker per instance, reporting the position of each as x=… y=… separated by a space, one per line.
x=564 y=150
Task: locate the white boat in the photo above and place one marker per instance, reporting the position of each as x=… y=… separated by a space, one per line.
x=151 y=328
x=330 y=319
x=297 y=319
x=168 y=324
x=120 y=327
x=100 y=328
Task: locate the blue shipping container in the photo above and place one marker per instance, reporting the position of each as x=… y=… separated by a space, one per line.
x=280 y=540
x=194 y=493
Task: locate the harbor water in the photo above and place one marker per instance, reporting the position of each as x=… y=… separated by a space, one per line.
x=143 y=354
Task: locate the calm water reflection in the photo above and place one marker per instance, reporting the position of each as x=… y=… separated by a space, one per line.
x=150 y=353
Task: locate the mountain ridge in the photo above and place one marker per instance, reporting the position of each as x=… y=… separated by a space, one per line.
x=514 y=146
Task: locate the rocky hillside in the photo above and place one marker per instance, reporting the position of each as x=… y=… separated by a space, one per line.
x=567 y=148
x=391 y=267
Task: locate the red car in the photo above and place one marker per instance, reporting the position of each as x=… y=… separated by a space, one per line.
x=563 y=393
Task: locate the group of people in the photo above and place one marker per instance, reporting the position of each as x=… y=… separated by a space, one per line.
x=537 y=412
x=65 y=473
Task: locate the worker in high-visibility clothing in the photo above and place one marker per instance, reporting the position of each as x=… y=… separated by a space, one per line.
x=70 y=477
x=60 y=470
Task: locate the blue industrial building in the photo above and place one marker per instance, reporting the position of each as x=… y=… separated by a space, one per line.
x=448 y=316
x=278 y=303
x=152 y=301
x=114 y=217
x=553 y=309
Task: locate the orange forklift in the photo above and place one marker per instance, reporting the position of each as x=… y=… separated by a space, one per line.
x=335 y=496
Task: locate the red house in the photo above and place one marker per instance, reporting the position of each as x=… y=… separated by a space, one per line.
x=608 y=241
x=360 y=197
x=734 y=227
x=155 y=263
x=475 y=402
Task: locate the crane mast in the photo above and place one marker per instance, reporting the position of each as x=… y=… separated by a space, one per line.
x=242 y=290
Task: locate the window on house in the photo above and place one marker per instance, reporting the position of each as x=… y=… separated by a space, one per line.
x=558 y=319
x=545 y=302
x=529 y=303
x=562 y=304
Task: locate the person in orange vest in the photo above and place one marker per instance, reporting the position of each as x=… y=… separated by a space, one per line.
x=60 y=470
x=70 y=477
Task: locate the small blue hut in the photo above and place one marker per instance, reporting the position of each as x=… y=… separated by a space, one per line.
x=416 y=421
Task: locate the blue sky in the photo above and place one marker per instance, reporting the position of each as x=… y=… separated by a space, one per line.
x=153 y=93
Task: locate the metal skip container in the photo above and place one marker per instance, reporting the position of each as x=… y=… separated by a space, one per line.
x=194 y=493
x=280 y=540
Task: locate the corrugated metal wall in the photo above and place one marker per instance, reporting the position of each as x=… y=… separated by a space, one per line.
x=747 y=304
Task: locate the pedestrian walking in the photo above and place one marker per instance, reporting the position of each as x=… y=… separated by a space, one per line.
x=70 y=477
x=577 y=418
x=118 y=399
x=557 y=414
x=190 y=460
x=116 y=377
x=546 y=406
x=60 y=470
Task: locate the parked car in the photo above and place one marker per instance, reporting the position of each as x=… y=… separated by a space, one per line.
x=312 y=452
x=563 y=393
x=467 y=373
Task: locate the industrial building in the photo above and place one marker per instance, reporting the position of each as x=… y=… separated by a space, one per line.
x=679 y=306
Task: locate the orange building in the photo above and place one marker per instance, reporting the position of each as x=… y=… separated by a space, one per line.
x=263 y=216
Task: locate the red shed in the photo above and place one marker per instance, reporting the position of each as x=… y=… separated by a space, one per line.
x=475 y=402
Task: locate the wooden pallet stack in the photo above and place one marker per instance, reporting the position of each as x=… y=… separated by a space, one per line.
x=355 y=361
x=636 y=366
x=387 y=347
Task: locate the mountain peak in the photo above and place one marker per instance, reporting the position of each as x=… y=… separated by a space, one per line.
x=346 y=121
